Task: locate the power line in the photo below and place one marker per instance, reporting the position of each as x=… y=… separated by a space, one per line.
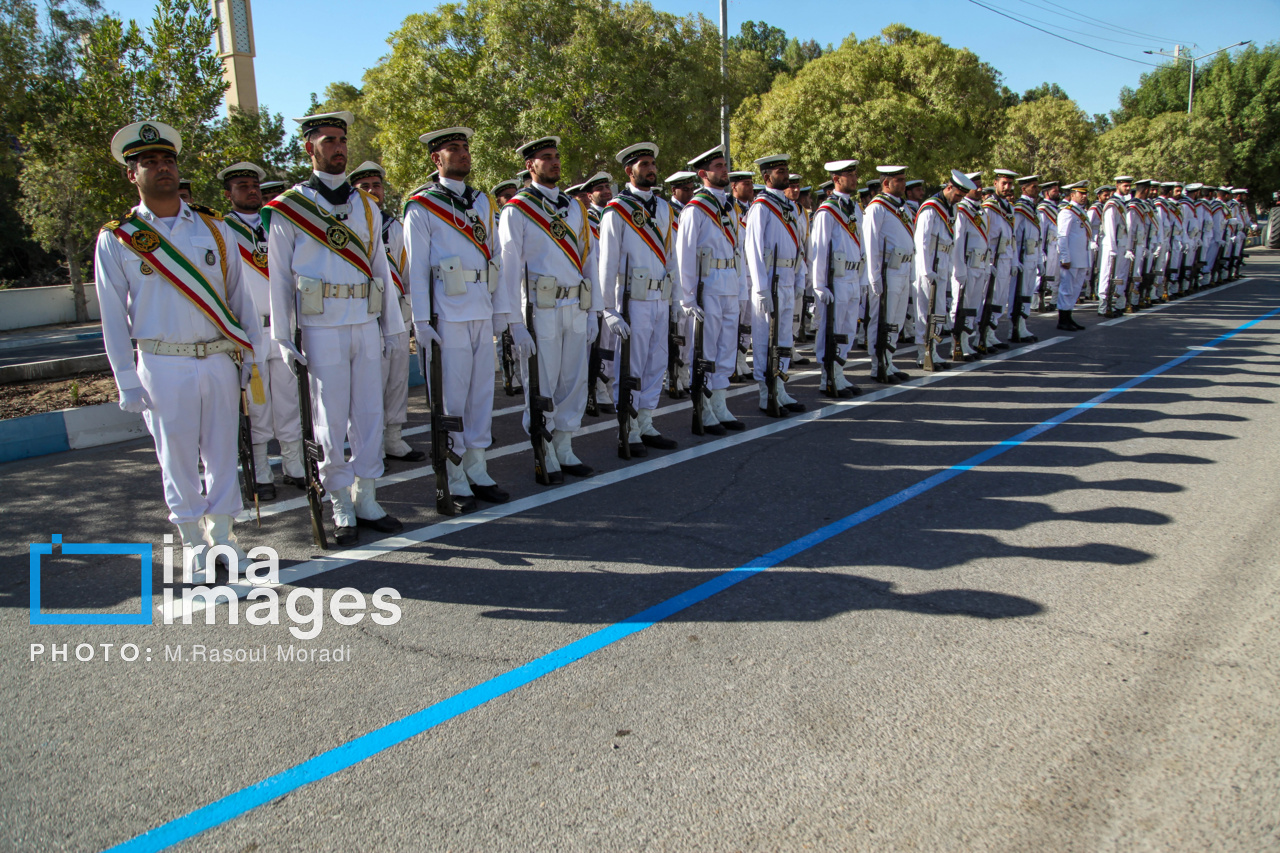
x=1122 y=30
x=1145 y=44
x=1064 y=38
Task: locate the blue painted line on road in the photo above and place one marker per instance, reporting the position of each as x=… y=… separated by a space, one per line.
x=353 y=752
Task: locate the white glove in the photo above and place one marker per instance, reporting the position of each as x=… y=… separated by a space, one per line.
x=1128 y=256
x=291 y=355
x=593 y=330
x=764 y=303
x=824 y=295
x=616 y=324
x=135 y=400
x=388 y=344
x=692 y=310
x=246 y=373
x=425 y=334
x=522 y=341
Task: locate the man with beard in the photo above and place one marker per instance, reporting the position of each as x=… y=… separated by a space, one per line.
x=707 y=252
x=637 y=258
x=599 y=189
x=772 y=247
x=271 y=189
x=277 y=415
x=971 y=269
x=742 y=184
x=1116 y=252
x=329 y=276
x=682 y=185
x=549 y=260
x=1047 y=211
x=934 y=237
x=888 y=229
x=504 y=191
x=1074 y=238
x=164 y=278
x=839 y=272
x=452 y=248
x=998 y=208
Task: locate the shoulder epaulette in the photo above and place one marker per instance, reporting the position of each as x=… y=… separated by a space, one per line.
x=207 y=211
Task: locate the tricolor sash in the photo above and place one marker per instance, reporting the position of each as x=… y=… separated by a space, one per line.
x=995 y=207
x=634 y=214
x=1084 y=220
x=254 y=257
x=593 y=218
x=326 y=229
x=848 y=223
x=900 y=212
x=773 y=208
x=454 y=213
x=555 y=226
x=174 y=267
x=706 y=201
x=1025 y=208
x=933 y=204
x=976 y=221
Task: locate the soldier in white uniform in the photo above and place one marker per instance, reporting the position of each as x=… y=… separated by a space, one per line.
x=887 y=231
x=934 y=236
x=1169 y=214
x=1026 y=258
x=1074 y=236
x=1136 y=220
x=707 y=251
x=329 y=276
x=682 y=185
x=1091 y=286
x=451 y=237
x=165 y=276
x=795 y=194
x=743 y=187
x=637 y=257
x=504 y=191
x=548 y=259
x=1247 y=225
x=1050 y=275
x=998 y=208
x=370 y=177
x=772 y=246
x=839 y=273
x=599 y=189
x=277 y=415
x=1220 y=229
x=971 y=269
x=1116 y=252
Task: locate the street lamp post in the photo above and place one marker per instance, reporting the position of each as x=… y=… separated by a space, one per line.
x=1177 y=54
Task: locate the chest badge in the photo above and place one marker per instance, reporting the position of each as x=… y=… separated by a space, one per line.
x=477 y=231
x=260 y=259
x=638 y=218
x=558 y=229
x=337 y=237
x=208 y=257
x=145 y=269
x=145 y=241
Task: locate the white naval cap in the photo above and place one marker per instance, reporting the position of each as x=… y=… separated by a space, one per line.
x=1123 y=179
x=531 y=149
x=437 y=139
x=1078 y=185
x=794 y=178
x=144 y=136
x=681 y=177
x=973 y=176
x=1048 y=185
x=741 y=176
x=632 y=153
x=597 y=178
x=1194 y=186
x=1240 y=191
x=1004 y=173
x=368 y=167
x=522 y=174
x=502 y=185
x=1142 y=182
x=840 y=165
x=340 y=119
x=891 y=171
x=962 y=180
x=267 y=186
x=576 y=188
x=704 y=159
x=242 y=170
x=770 y=161
x=914 y=182
x=1028 y=179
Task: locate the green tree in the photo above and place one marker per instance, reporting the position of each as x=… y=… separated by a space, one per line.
x=768 y=41
x=1047 y=136
x=361 y=144
x=1044 y=90
x=1169 y=146
x=904 y=98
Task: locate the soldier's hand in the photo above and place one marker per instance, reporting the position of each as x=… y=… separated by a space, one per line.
x=522 y=341
x=616 y=324
x=824 y=295
x=692 y=310
x=425 y=334
x=135 y=400
x=291 y=355
x=764 y=303
x=593 y=330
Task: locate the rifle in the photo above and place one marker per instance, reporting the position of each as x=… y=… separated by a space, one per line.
x=985 y=322
x=701 y=366
x=806 y=302
x=248 y=470
x=963 y=314
x=595 y=368
x=675 y=341
x=830 y=352
x=883 y=330
x=935 y=321
x=509 y=365
x=1018 y=299
x=312 y=451
x=441 y=424
x=539 y=406
x=626 y=382
x=773 y=361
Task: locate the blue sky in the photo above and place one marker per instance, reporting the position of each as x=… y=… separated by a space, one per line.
x=287 y=33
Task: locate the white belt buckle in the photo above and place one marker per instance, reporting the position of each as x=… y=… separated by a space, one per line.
x=201 y=350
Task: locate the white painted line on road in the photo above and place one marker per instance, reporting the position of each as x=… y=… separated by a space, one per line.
x=293 y=574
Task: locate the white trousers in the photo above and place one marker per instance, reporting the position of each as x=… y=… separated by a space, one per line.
x=395 y=381
x=719 y=338
x=1070 y=282
x=345 y=363
x=786 y=309
x=467 y=368
x=975 y=290
x=1003 y=295
x=899 y=286
x=278 y=416
x=608 y=341
x=648 y=343
x=921 y=304
x=1113 y=273
x=194 y=417
x=561 y=337
x=848 y=302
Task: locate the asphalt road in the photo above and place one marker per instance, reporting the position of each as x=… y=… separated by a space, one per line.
x=62 y=344
x=1069 y=645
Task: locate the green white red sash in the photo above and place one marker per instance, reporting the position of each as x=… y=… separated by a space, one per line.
x=633 y=213
x=899 y=212
x=553 y=226
x=848 y=223
x=932 y=204
x=1084 y=220
x=706 y=201
x=247 y=242
x=976 y=221
x=769 y=205
x=1025 y=208
x=324 y=229
x=174 y=267
x=994 y=206
x=593 y=218
x=452 y=212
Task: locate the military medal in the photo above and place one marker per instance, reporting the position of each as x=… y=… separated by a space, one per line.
x=336 y=237
x=145 y=241
x=637 y=217
x=208 y=257
x=260 y=259
x=558 y=230
x=145 y=269
x=477 y=231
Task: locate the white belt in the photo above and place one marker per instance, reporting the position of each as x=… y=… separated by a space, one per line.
x=346 y=291
x=722 y=264
x=787 y=263
x=198 y=350
x=561 y=293
x=467 y=275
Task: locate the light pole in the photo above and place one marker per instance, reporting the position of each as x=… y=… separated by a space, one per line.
x=724 y=78
x=1177 y=54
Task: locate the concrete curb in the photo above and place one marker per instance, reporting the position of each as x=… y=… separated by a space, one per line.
x=69 y=429
x=54 y=368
